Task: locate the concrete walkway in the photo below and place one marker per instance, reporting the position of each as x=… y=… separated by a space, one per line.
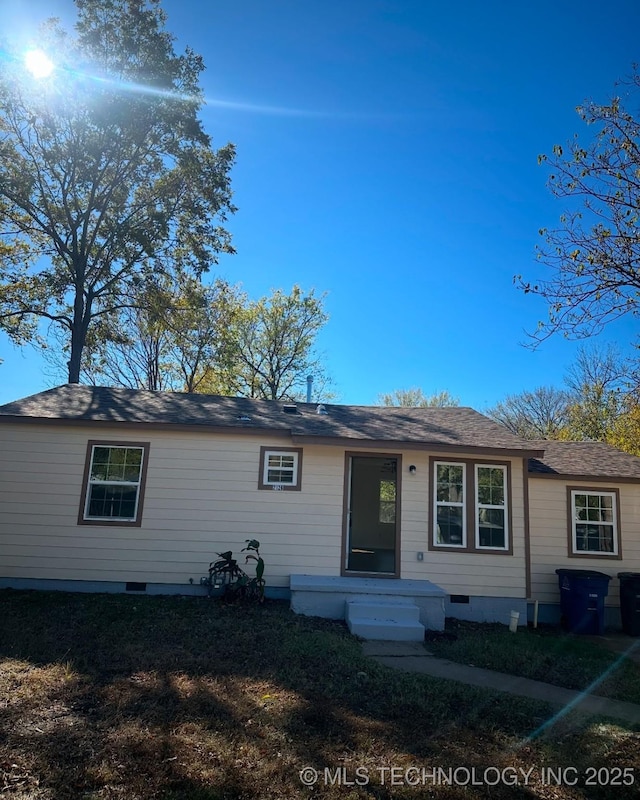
x=414 y=657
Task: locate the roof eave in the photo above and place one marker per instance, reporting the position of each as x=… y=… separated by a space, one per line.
x=151 y=425
x=569 y=476
x=413 y=445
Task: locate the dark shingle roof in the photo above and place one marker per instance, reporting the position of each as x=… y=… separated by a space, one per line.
x=583 y=459
x=448 y=427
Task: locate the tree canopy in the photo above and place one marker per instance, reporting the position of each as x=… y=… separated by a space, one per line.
x=416 y=398
x=599 y=401
x=594 y=254
x=174 y=334
x=106 y=174
x=273 y=349
x=541 y=413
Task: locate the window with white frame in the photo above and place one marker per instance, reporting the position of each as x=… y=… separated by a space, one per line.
x=449 y=505
x=280 y=468
x=114 y=477
x=594 y=529
x=491 y=507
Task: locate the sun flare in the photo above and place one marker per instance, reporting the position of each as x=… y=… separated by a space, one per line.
x=38 y=63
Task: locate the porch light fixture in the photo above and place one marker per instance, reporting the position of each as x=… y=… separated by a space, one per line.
x=412 y=469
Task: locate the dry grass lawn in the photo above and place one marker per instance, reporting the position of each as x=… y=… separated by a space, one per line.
x=139 y=697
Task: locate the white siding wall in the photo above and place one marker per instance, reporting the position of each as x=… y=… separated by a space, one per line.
x=202 y=498
x=549 y=537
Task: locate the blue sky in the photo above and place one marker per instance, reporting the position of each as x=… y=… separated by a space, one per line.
x=387 y=155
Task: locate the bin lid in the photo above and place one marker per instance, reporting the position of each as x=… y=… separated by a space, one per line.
x=584 y=574
x=630 y=575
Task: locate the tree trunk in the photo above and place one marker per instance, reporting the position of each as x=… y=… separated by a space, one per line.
x=75 y=360
x=81 y=318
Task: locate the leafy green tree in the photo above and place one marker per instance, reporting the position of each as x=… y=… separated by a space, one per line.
x=173 y=335
x=416 y=398
x=106 y=174
x=273 y=349
x=594 y=255
x=624 y=432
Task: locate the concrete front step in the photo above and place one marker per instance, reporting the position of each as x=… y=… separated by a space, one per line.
x=387 y=630
x=395 y=612
x=392 y=622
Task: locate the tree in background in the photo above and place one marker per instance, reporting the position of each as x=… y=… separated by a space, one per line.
x=599 y=402
x=106 y=175
x=272 y=349
x=168 y=340
x=599 y=390
x=416 y=398
x=595 y=253
x=542 y=413
x=624 y=432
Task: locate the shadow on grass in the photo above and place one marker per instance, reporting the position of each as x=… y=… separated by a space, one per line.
x=111 y=696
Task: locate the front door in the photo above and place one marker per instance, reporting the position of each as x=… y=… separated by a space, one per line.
x=372 y=514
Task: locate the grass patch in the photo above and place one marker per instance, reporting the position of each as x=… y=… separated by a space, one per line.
x=188 y=699
x=544 y=654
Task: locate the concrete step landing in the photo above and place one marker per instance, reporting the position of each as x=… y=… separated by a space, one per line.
x=393 y=622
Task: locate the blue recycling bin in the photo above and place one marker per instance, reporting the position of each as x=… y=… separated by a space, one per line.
x=630 y=602
x=582 y=594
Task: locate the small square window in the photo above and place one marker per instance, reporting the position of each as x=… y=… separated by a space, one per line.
x=280 y=469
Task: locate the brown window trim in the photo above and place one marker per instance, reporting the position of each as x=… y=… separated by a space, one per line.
x=470 y=503
x=283 y=487
x=617 y=529
x=137 y=523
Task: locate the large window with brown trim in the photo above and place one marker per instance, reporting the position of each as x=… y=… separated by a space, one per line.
x=470 y=506
x=114 y=483
x=594 y=522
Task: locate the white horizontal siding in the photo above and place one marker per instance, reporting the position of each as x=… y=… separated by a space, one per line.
x=201 y=498
x=550 y=542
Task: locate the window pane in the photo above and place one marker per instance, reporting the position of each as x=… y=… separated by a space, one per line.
x=388 y=491
x=276 y=460
x=595 y=538
x=114 y=502
x=387 y=512
x=279 y=476
x=100 y=463
x=449 y=484
x=133 y=464
x=491 y=527
x=449 y=528
x=490 y=486
x=115 y=468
